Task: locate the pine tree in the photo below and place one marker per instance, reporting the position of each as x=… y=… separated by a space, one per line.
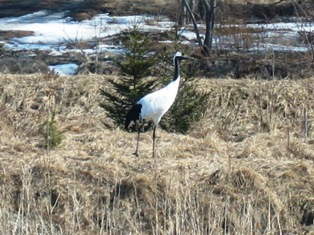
x=134 y=83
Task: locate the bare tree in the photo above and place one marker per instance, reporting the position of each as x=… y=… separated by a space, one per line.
x=206 y=10
x=184 y=12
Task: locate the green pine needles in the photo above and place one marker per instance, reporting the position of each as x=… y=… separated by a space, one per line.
x=133 y=84
x=51 y=133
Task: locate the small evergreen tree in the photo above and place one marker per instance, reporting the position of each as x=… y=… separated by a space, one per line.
x=133 y=84
x=51 y=133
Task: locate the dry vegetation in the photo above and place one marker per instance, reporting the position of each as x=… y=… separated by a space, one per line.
x=245 y=168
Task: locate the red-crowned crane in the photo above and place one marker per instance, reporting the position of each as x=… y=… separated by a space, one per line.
x=154 y=105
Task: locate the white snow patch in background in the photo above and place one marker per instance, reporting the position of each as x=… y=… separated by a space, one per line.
x=51 y=29
x=288 y=26
x=64 y=69
x=189 y=35
x=52 y=32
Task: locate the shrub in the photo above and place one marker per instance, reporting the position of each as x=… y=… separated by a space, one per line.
x=52 y=135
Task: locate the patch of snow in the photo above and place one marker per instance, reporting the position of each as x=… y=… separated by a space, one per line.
x=36 y=17
x=165 y=23
x=276 y=47
x=166 y=41
x=55 y=53
x=288 y=26
x=189 y=35
x=111 y=48
x=15 y=46
x=51 y=31
x=64 y=69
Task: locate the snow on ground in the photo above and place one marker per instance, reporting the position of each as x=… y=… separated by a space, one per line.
x=287 y=26
x=64 y=69
x=52 y=29
x=53 y=32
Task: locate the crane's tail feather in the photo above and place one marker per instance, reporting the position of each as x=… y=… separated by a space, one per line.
x=132 y=116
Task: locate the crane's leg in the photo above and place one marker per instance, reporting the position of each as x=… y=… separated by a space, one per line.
x=138 y=139
x=154 y=140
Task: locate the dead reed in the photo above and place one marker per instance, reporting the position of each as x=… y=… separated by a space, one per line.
x=245 y=168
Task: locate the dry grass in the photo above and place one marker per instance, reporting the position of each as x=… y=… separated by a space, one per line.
x=246 y=168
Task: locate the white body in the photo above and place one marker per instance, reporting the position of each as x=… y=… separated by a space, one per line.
x=156 y=104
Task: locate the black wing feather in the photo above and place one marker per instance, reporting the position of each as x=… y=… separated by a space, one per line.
x=133 y=115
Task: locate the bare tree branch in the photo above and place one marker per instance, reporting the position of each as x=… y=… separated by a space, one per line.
x=194 y=23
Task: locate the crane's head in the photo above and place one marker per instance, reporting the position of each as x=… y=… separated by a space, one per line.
x=178 y=55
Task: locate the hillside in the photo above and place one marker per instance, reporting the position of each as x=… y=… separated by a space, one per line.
x=245 y=168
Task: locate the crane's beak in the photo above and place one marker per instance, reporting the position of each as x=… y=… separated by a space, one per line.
x=184 y=57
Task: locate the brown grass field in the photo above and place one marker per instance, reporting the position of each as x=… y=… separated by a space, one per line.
x=245 y=168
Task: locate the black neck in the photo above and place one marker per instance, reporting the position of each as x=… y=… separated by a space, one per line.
x=176 y=69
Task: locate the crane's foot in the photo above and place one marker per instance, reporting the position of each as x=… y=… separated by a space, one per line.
x=136 y=154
